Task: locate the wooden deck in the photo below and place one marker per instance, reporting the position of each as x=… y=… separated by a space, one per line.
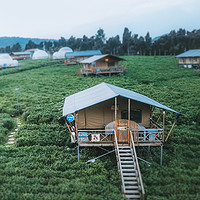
x=146 y=137
x=102 y=70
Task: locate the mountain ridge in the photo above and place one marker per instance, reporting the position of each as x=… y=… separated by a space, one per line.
x=10 y=41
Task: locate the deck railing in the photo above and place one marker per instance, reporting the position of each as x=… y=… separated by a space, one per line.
x=118 y=158
x=148 y=135
x=95 y=136
x=101 y=70
x=105 y=136
x=139 y=177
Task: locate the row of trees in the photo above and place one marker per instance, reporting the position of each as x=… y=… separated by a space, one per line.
x=131 y=44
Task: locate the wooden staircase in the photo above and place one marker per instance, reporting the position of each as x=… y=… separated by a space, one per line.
x=132 y=185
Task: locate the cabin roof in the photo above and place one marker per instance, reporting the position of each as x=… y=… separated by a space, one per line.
x=103 y=92
x=21 y=53
x=98 y=57
x=82 y=53
x=190 y=53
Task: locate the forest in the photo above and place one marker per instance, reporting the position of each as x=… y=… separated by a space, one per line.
x=42 y=165
x=173 y=43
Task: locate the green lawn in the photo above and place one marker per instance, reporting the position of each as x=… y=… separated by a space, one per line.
x=42 y=166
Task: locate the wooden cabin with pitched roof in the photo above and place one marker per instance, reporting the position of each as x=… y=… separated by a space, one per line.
x=189 y=59
x=77 y=56
x=102 y=65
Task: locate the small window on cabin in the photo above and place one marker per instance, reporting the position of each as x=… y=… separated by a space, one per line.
x=193 y=59
x=182 y=60
x=136 y=115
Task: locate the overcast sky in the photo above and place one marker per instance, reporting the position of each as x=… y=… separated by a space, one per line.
x=56 y=18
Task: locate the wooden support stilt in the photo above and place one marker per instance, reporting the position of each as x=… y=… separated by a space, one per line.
x=170 y=131
x=116 y=114
x=78 y=152
x=76 y=125
x=129 y=118
x=70 y=131
x=158 y=118
x=163 y=134
x=161 y=154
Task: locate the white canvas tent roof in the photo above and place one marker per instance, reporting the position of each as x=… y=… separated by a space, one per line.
x=61 y=53
x=40 y=54
x=7 y=61
x=103 y=92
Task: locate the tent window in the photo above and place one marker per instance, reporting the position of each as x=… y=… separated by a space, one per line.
x=136 y=115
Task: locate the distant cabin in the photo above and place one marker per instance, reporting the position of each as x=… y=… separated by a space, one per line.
x=20 y=55
x=189 y=59
x=77 y=56
x=102 y=65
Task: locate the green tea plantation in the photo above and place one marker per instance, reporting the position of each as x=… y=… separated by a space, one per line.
x=42 y=164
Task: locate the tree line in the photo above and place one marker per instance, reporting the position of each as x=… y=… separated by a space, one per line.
x=173 y=43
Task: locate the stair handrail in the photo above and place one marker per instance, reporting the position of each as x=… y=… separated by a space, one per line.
x=118 y=159
x=140 y=182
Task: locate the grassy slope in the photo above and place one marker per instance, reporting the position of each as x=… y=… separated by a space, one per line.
x=51 y=172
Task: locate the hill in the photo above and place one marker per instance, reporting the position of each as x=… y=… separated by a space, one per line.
x=10 y=41
x=43 y=164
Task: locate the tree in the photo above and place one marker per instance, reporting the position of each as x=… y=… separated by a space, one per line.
x=148 y=42
x=100 y=39
x=62 y=42
x=8 y=49
x=31 y=45
x=126 y=41
x=16 y=48
x=113 y=45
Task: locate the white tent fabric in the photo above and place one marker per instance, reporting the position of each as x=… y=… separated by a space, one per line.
x=103 y=92
x=40 y=54
x=7 y=61
x=61 y=53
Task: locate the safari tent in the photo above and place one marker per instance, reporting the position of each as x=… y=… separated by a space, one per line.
x=107 y=115
x=40 y=54
x=105 y=107
x=102 y=65
x=61 y=53
x=6 y=61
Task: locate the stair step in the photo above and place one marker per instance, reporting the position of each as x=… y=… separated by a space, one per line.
x=11 y=139
x=128 y=162
x=131 y=192
x=125 y=154
x=11 y=142
x=123 y=150
x=129 y=178
x=124 y=147
x=11 y=136
x=127 y=167
x=131 y=187
x=129 y=174
x=126 y=158
x=130 y=183
x=128 y=170
x=129 y=196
